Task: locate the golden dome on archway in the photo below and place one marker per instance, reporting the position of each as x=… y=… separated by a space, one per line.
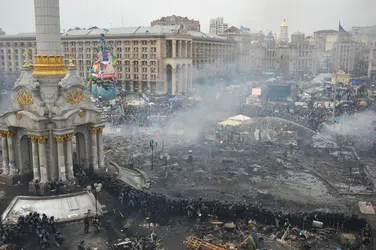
x=284 y=24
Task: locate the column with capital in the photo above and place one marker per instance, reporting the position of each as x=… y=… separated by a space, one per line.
x=189 y=69
x=186 y=49
x=69 y=158
x=173 y=80
x=100 y=147
x=186 y=79
x=12 y=160
x=4 y=144
x=180 y=48
x=42 y=159
x=61 y=157
x=94 y=148
x=35 y=155
x=173 y=48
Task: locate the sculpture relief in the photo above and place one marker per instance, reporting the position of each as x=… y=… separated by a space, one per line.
x=75 y=96
x=24 y=97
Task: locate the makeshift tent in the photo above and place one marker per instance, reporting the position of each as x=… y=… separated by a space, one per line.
x=240 y=118
x=230 y=123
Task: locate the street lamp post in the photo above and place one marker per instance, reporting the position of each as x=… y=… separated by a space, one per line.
x=97 y=189
x=166 y=158
x=152 y=145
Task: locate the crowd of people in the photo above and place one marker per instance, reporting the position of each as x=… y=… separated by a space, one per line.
x=160 y=208
x=35 y=224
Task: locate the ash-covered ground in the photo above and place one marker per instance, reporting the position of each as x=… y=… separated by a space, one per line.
x=270 y=173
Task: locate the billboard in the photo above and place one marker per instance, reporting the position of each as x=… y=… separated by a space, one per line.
x=256 y=91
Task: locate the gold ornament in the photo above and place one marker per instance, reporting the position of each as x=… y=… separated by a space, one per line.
x=19 y=116
x=24 y=97
x=75 y=96
x=93 y=130
x=68 y=137
x=9 y=134
x=4 y=133
x=33 y=138
x=59 y=138
x=82 y=113
x=49 y=65
x=42 y=139
x=25 y=58
x=100 y=129
x=71 y=64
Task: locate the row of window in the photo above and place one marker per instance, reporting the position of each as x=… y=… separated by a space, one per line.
x=118 y=50
x=114 y=43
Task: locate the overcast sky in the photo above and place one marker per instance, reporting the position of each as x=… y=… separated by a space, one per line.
x=302 y=15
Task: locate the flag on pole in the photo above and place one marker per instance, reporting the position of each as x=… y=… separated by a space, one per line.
x=341 y=29
x=245 y=29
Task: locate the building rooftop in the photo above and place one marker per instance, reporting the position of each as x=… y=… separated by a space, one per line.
x=127 y=31
x=326 y=31
x=370 y=30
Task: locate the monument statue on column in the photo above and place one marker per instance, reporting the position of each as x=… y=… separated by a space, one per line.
x=51 y=109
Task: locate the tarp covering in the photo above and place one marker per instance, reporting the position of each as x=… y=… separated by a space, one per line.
x=229 y=123
x=240 y=118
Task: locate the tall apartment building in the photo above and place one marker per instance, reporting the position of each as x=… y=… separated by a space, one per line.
x=303 y=58
x=327 y=37
x=372 y=62
x=249 y=49
x=185 y=22
x=364 y=35
x=345 y=55
x=157 y=59
x=217 y=26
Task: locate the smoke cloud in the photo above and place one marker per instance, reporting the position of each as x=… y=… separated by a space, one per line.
x=357 y=128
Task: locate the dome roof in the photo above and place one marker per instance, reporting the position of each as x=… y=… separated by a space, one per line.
x=284 y=24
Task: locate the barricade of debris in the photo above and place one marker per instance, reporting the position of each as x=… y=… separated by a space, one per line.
x=217 y=235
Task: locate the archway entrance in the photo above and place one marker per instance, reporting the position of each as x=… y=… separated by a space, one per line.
x=169 y=78
x=26 y=155
x=79 y=150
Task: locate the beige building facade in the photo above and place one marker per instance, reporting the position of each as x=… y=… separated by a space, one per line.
x=184 y=22
x=157 y=59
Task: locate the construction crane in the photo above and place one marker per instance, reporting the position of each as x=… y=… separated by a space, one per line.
x=199 y=244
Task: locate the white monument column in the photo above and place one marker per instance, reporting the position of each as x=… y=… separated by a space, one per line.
x=100 y=147
x=94 y=148
x=47 y=27
x=69 y=158
x=61 y=157
x=4 y=145
x=42 y=159
x=35 y=155
x=49 y=60
x=12 y=160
